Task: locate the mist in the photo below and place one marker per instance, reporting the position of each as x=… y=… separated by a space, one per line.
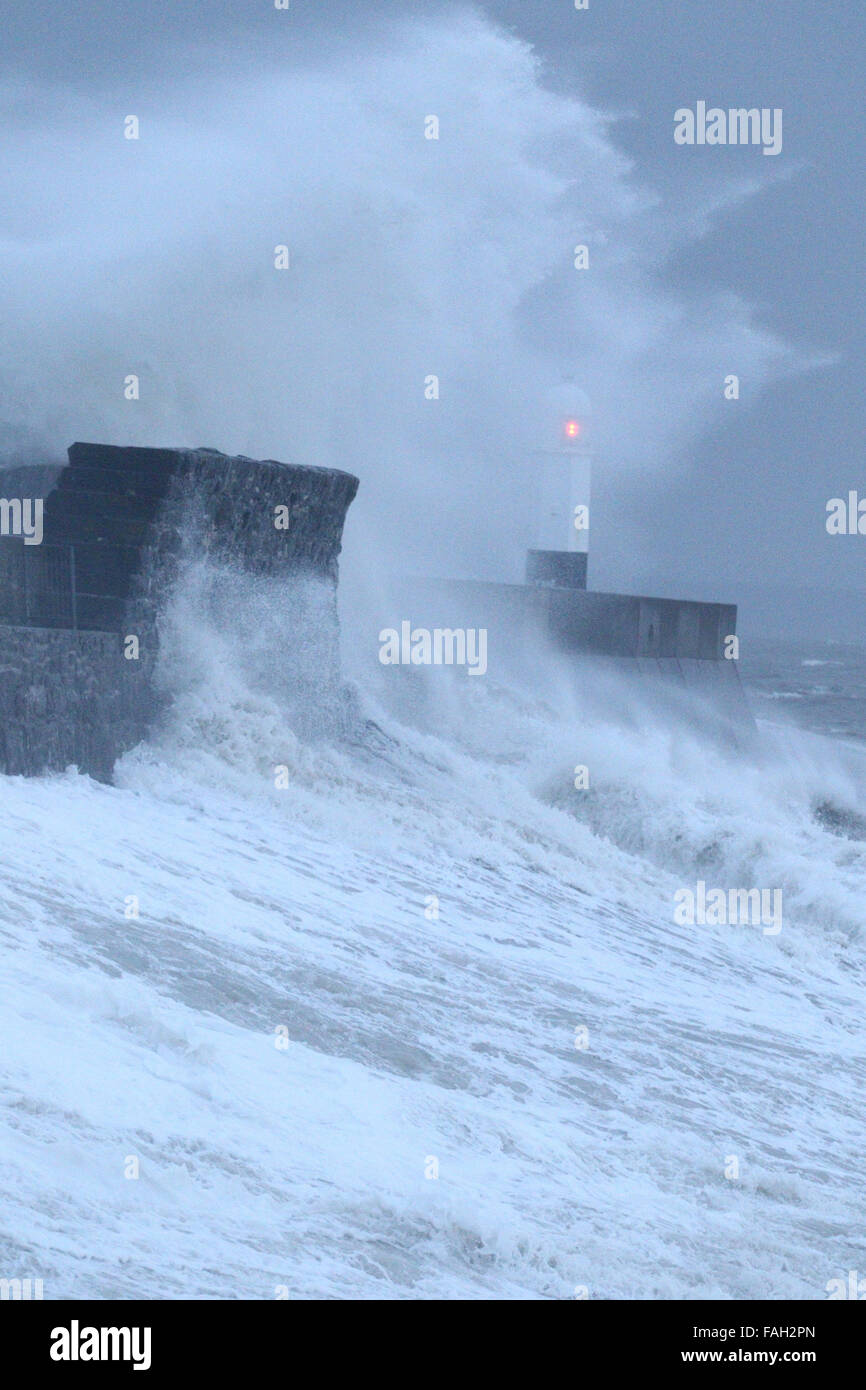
x=408 y=258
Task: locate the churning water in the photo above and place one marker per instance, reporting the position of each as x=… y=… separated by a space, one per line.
x=402 y=1013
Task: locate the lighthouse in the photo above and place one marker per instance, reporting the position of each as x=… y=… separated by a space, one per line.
x=681 y=646
x=561 y=479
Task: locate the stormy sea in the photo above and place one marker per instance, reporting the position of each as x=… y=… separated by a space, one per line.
x=393 y=1009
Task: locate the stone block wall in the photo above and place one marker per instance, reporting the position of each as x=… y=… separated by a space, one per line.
x=118 y=524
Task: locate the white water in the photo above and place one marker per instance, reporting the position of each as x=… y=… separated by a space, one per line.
x=412 y=1038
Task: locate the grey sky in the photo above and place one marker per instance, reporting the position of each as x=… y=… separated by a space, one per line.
x=725 y=245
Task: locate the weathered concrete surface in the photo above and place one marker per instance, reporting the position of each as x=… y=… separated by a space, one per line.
x=118 y=524
x=69 y=698
x=576 y=620
x=677 y=644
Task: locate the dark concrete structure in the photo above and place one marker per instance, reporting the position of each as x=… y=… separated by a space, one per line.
x=562 y=569
x=69 y=698
x=676 y=645
x=580 y=620
x=118 y=523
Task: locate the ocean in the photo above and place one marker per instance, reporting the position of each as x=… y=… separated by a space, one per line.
x=413 y=1018
x=822 y=685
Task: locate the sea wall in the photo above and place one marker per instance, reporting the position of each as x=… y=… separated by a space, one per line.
x=575 y=620
x=69 y=698
x=119 y=523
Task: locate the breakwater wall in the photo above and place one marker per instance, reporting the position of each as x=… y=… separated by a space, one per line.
x=79 y=612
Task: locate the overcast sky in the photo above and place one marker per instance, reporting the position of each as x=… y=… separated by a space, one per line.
x=454 y=257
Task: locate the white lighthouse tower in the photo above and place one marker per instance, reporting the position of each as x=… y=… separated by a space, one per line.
x=560 y=543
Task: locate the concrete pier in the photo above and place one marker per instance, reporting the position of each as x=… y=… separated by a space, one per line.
x=677 y=645
x=578 y=620
x=118 y=523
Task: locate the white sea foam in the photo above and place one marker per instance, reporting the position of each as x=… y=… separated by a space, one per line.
x=411 y=1038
